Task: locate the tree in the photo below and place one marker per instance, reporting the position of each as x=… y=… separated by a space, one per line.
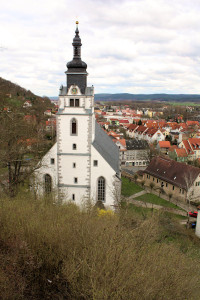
x=170 y=196
x=22 y=146
x=152 y=185
x=143 y=183
x=135 y=177
x=139 y=122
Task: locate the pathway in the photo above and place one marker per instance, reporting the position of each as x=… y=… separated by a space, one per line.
x=155 y=206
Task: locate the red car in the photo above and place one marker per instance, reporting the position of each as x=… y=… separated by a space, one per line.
x=193 y=214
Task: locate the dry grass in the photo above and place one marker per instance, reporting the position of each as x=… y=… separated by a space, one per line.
x=59 y=252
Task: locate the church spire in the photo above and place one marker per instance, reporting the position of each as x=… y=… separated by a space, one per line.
x=76 y=69
x=77 y=43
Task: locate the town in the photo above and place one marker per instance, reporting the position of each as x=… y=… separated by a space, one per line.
x=100 y=150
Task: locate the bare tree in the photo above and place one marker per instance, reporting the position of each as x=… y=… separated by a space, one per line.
x=22 y=147
x=152 y=185
x=170 y=196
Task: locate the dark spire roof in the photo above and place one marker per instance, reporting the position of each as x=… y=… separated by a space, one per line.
x=77 y=64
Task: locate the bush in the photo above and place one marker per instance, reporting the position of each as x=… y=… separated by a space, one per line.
x=60 y=252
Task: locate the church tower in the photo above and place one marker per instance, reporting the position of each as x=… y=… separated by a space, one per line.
x=84 y=163
x=75 y=128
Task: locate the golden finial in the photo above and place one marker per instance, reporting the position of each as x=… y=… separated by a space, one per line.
x=77 y=22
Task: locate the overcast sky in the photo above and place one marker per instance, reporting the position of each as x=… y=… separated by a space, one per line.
x=134 y=46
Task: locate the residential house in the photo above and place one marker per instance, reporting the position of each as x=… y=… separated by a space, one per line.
x=121 y=144
x=192 y=147
x=139 y=132
x=27 y=104
x=131 y=130
x=179 y=154
x=153 y=135
x=163 y=147
x=175 y=179
x=137 y=152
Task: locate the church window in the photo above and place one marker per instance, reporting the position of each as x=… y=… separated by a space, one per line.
x=73 y=127
x=101 y=189
x=74 y=146
x=77 y=102
x=74 y=165
x=73 y=196
x=173 y=187
x=47 y=184
x=75 y=180
x=74 y=102
x=95 y=163
x=52 y=161
x=71 y=102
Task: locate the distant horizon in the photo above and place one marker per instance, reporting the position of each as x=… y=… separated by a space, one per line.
x=147 y=94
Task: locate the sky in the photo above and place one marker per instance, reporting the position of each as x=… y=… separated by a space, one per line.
x=130 y=46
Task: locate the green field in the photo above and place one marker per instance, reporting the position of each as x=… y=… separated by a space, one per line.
x=129 y=188
x=184 y=103
x=154 y=199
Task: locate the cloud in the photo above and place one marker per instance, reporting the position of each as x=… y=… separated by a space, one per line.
x=129 y=46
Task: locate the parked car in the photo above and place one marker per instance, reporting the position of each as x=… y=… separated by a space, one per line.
x=193 y=224
x=193 y=214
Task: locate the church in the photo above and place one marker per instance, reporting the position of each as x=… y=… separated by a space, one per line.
x=84 y=162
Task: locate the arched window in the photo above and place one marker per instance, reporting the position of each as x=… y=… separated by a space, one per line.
x=73 y=127
x=101 y=189
x=47 y=184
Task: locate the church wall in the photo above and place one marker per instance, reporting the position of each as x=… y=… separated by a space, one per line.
x=66 y=194
x=66 y=140
x=69 y=172
x=46 y=168
x=105 y=170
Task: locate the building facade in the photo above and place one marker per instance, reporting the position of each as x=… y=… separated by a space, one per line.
x=175 y=179
x=84 y=163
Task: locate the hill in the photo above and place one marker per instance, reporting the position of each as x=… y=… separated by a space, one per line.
x=9 y=89
x=145 y=97
x=149 y=97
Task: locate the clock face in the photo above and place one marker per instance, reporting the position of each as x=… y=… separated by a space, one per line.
x=74 y=91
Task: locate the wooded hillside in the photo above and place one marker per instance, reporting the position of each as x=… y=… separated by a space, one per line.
x=10 y=89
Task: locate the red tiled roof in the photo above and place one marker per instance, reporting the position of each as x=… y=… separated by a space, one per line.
x=141 y=129
x=187 y=147
x=194 y=143
x=151 y=131
x=190 y=123
x=179 y=174
x=164 y=144
x=181 y=152
x=123 y=121
x=132 y=127
x=123 y=142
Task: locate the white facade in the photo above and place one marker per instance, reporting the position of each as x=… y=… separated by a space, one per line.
x=86 y=160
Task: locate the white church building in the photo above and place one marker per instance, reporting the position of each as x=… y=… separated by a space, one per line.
x=84 y=163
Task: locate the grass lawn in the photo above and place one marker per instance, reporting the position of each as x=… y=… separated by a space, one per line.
x=129 y=188
x=151 y=198
x=142 y=211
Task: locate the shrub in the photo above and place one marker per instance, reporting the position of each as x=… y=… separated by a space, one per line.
x=61 y=252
